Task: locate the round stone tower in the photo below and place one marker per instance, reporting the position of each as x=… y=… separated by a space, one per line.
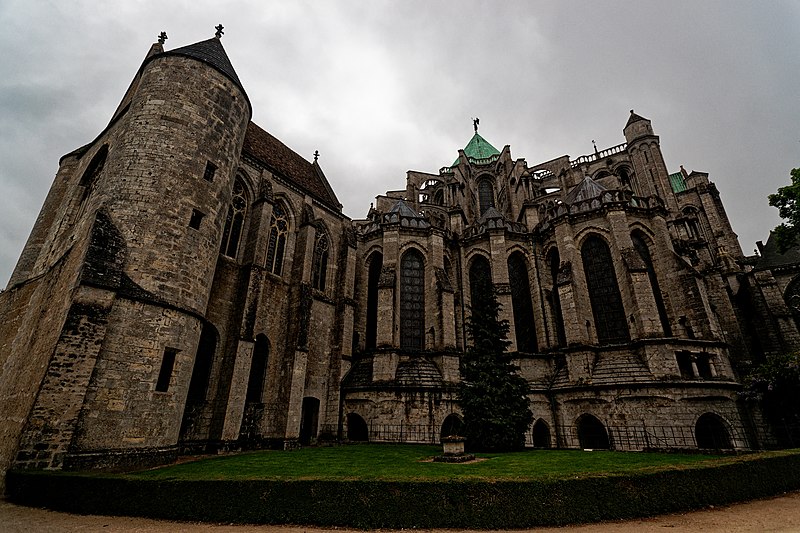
x=172 y=167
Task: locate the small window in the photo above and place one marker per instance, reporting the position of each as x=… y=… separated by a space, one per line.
x=685 y=365
x=197 y=218
x=211 y=169
x=165 y=374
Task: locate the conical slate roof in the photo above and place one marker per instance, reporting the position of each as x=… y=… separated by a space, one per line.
x=588 y=188
x=407 y=217
x=211 y=53
x=491 y=214
x=634 y=118
x=478 y=148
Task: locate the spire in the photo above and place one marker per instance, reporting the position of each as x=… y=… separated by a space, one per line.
x=634 y=118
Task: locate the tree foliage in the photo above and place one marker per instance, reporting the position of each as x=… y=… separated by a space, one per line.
x=775 y=384
x=787 y=200
x=493 y=396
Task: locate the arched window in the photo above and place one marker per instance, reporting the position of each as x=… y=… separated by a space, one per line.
x=319 y=267
x=234 y=222
x=357 y=430
x=480 y=281
x=258 y=370
x=438 y=197
x=711 y=433
x=375 y=267
x=554 y=262
x=604 y=295
x=93 y=171
x=412 y=301
x=279 y=229
x=524 y=327
x=640 y=245
x=485 y=195
x=592 y=433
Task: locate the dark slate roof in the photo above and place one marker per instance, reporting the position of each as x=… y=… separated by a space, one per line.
x=213 y=54
x=418 y=373
x=289 y=165
x=491 y=214
x=771 y=258
x=586 y=189
x=634 y=118
x=407 y=217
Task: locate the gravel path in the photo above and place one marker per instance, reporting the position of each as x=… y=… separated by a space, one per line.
x=775 y=514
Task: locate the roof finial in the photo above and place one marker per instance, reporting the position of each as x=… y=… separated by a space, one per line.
x=162 y=37
x=219 y=28
x=316 y=155
x=475 y=122
x=595 y=147
x=631 y=111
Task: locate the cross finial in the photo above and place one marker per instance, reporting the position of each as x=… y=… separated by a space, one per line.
x=162 y=37
x=316 y=155
x=475 y=122
x=219 y=28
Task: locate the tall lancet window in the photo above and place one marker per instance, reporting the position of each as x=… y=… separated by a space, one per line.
x=234 y=222
x=412 y=301
x=374 y=277
x=524 y=328
x=279 y=229
x=319 y=267
x=604 y=295
x=485 y=195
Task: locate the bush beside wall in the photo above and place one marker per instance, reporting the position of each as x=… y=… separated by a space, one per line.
x=423 y=504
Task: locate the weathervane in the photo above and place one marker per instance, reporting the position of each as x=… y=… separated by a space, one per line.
x=219 y=28
x=475 y=122
x=316 y=155
x=162 y=37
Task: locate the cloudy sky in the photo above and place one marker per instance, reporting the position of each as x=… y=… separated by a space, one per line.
x=381 y=87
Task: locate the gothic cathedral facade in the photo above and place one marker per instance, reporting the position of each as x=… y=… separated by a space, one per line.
x=191 y=283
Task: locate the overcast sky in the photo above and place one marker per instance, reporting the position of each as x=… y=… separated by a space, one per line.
x=382 y=87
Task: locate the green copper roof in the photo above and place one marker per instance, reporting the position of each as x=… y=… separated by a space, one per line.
x=677 y=182
x=478 y=148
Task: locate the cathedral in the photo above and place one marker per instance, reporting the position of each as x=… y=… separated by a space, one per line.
x=191 y=284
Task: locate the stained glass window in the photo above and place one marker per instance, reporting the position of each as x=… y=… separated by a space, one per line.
x=524 y=327
x=412 y=301
x=480 y=280
x=485 y=195
x=279 y=229
x=604 y=295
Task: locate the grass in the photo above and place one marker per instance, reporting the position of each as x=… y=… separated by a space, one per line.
x=389 y=462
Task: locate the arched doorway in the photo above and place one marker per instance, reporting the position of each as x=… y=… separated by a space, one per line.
x=592 y=433
x=357 y=430
x=541 y=434
x=309 y=420
x=452 y=426
x=711 y=433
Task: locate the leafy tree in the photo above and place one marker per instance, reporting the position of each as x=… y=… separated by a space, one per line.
x=493 y=396
x=775 y=384
x=787 y=200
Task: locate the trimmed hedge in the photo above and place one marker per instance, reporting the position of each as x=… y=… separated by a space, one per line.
x=423 y=504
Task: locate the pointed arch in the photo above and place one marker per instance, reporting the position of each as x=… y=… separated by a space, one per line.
x=452 y=426
x=357 y=429
x=606 y=301
x=524 y=327
x=642 y=246
x=592 y=433
x=278 y=233
x=412 y=300
x=480 y=279
x=541 y=434
x=234 y=221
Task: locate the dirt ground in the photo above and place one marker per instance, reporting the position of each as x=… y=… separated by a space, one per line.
x=775 y=514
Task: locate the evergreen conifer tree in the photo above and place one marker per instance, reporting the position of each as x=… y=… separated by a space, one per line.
x=493 y=396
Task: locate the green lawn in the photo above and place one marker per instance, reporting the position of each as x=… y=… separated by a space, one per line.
x=408 y=462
